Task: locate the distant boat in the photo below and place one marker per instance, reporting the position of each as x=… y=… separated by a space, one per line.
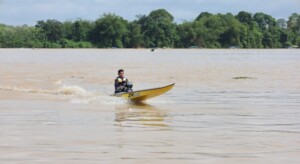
x=194 y=47
x=234 y=47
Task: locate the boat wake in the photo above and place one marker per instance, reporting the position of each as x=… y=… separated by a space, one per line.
x=74 y=93
x=64 y=90
x=100 y=99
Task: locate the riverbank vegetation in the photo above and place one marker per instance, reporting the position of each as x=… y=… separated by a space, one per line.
x=158 y=29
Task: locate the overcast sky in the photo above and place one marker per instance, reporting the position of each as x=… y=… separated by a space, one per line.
x=19 y=12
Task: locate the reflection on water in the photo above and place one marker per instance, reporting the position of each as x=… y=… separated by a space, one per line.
x=140 y=113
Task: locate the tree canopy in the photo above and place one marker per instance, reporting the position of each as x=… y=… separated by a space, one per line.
x=158 y=29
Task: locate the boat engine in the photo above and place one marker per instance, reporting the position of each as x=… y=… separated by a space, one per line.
x=129 y=87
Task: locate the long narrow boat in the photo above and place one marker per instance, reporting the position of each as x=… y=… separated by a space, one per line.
x=142 y=95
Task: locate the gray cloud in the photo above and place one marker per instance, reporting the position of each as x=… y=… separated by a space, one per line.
x=18 y=12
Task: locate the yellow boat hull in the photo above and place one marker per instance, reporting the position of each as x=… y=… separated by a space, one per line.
x=143 y=95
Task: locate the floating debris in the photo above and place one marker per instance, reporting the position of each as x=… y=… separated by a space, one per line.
x=243 y=78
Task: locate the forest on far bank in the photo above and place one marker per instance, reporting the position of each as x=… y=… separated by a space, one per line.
x=158 y=29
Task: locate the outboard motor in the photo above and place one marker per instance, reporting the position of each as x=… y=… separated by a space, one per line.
x=129 y=87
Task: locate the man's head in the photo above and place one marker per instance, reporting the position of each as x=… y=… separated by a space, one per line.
x=121 y=73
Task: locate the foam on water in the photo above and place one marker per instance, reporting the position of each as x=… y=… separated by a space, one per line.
x=100 y=99
x=80 y=95
x=26 y=90
x=72 y=90
x=76 y=93
x=64 y=90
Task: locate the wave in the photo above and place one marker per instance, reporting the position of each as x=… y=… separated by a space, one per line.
x=17 y=89
x=72 y=90
x=104 y=100
x=64 y=90
x=76 y=93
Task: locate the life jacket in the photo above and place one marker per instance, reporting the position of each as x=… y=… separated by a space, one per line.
x=120 y=84
x=121 y=81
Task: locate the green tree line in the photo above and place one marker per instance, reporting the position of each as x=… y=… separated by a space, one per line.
x=158 y=29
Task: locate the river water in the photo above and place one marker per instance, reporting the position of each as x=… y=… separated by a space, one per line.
x=228 y=106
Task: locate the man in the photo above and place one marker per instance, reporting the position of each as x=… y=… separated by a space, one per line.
x=121 y=83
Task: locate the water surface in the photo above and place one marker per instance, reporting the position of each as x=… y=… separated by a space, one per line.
x=228 y=106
